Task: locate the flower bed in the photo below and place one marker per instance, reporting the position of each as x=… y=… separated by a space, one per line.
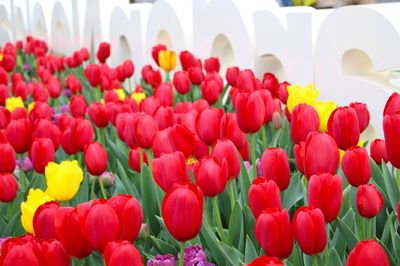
x=186 y=168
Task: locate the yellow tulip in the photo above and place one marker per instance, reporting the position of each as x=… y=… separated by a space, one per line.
x=298 y=95
x=31 y=106
x=324 y=110
x=1 y=57
x=121 y=94
x=63 y=180
x=167 y=60
x=36 y=197
x=138 y=97
x=14 y=102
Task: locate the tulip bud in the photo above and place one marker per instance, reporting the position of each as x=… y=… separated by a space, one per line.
x=250 y=111
x=83 y=133
x=7 y=155
x=122 y=253
x=304 y=119
x=275 y=165
x=77 y=106
x=8 y=187
x=273 y=234
x=343 y=127
x=283 y=92
x=103 y=52
x=369 y=201
x=190 y=199
x=309 y=230
x=196 y=75
x=325 y=193
x=362 y=115
x=225 y=150
x=208 y=123
x=378 y=151
x=231 y=75
x=19 y=134
x=95 y=158
x=356 y=166
x=210 y=176
x=41 y=153
x=367 y=253
x=211 y=87
x=54 y=87
x=99 y=114
x=169 y=169
x=270 y=82
x=128 y=68
x=181 y=82
x=212 y=65
x=391 y=129
x=263 y=194
x=276 y=120
x=187 y=60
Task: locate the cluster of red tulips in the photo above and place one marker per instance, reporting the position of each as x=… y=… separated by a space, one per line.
x=182 y=166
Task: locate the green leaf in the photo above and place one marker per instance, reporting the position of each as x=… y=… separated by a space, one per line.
x=293 y=193
x=8 y=231
x=231 y=254
x=347 y=234
x=162 y=246
x=391 y=187
x=149 y=202
x=83 y=193
x=244 y=181
x=250 y=252
x=210 y=240
x=235 y=226
x=333 y=258
x=129 y=188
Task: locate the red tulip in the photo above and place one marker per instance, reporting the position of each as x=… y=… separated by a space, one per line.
x=210 y=176
x=128 y=67
x=84 y=133
x=283 y=92
x=196 y=75
x=181 y=82
x=3 y=77
x=176 y=138
x=208 y=123
x=41 y=153
x=19 y=134
x=356 y=166
x=93 y=75
x=69 y=232
x=54 y=87
x=5 y=117
x=274 y=165
x=44 y=128
x=211 y=65
x=41 y=110
x=77 y=106
x=182 y=211
x=269 y=105
x=164 y=116
x=309 y=230
x=53 y=253
x=134 y=159
x=369 y=201
x=8 y=187
x=273 y=234
x=362 y=115
x=19 y=113
x=378 y=151
x=391 y=129
x=154 y=78
x=200 y=148
x=224 y=149
x=325 y=192
x=392 y=105
x=103 y=52
x=164 y=94
x=100 y=225
x=230 y=130
x=250 y=111
x=367 y=253
x=270 y=82
x=95 y=158
x=187 y=60
x=263 y=194
x=343 y=127
x=149 y=105
x=304 y=119
x=169 y=169
x=7 y=155
x=129 y=214
x=21 y=90
x=265 y=261
x=246 y=81
x=319 y=154
x=211 y=87
x=16 y=251
x=140 y=130
x=122 y=253
x=231 y=75
x=4 y=92
x=43 y=220
x=155 y=50
x=99 y=114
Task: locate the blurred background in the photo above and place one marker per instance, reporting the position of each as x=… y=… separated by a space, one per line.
x=314 y=3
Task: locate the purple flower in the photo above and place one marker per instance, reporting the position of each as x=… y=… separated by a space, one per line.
x=162 y=260
x=27 y=164
x=248 y=166
x=195 y=256
x=27 y=67
x=108 y=179
x=64 y=108
x=67 y=92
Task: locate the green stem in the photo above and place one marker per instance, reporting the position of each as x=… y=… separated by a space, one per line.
x=92 y=195
x=103 y=191
x=315 y=260
x=182 y=254
x=398 y=178
x=362 y=228
x=253 y=154
x=231 y=193
x=167 y=77
x=264 y=136
x=21 y=170
x=218 y=218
